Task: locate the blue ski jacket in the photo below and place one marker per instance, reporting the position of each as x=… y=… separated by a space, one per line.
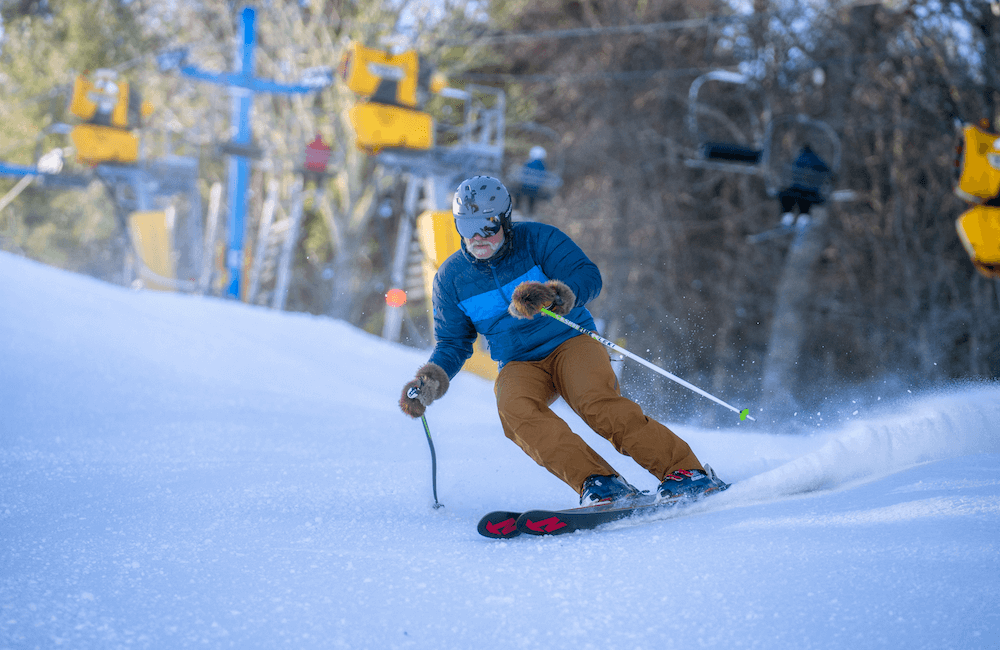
x=471 y=296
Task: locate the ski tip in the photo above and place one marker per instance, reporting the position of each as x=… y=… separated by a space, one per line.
x=501 y=524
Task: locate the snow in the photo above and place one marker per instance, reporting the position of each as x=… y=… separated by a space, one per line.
x=184 y=472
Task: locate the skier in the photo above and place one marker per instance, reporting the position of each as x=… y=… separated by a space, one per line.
x=496 y=285
x=532 y=178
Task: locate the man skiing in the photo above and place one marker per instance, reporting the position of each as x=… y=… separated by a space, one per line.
x=496 y=285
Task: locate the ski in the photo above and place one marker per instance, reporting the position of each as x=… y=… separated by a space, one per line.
x=505 y=524
x=561 y=522
x=502 y=524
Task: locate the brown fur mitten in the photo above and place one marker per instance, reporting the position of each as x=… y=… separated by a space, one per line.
x=565 y=300
x=430 y=383
x=529 y=298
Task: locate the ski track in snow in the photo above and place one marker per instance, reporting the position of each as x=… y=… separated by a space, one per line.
x=179 y=471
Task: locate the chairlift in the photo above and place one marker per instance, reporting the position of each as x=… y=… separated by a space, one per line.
x=798 y=167
x=807 y=160
x=536 y=174
x=717 y=152
x=797 y=156
x=760 y=156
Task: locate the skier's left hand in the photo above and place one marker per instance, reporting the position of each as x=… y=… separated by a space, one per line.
x=529 y=298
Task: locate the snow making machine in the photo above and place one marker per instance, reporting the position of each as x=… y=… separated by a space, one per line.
x=393 y=123
x=977 y=168
x=106 y=144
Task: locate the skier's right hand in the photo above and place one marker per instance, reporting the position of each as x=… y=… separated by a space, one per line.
x=529 y=297
x=430 y=383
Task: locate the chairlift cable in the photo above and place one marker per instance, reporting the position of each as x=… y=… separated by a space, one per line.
x=583 y=32
x=637 y=75
x=624 y=75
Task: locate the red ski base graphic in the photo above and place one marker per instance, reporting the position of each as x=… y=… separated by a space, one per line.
x=545 y=526
x=500 y=524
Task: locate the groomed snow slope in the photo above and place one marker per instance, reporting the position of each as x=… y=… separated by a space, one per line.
x=189 y=472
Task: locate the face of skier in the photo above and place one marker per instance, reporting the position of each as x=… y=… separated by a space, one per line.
x=483 y=248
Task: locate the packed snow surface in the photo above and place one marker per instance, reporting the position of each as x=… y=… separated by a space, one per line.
x=185 y=472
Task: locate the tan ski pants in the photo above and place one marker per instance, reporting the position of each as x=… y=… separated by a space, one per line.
x=580 y=371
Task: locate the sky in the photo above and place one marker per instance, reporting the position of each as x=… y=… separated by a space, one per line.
x=181 y=471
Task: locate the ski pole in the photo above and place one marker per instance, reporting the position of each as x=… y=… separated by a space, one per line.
x=412 y=394
x=744 y=414
x=434 y=470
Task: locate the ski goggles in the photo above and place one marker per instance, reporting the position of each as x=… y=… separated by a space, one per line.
x=469 y=227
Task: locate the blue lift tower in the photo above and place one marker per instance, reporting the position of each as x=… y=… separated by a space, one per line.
x=242 y=85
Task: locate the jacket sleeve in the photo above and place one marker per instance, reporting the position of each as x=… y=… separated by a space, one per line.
x=454 y=332
x=561 y=259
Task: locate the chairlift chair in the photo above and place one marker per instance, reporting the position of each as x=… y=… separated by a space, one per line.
x=714 y=152
x=790 y=167
x=522 y=179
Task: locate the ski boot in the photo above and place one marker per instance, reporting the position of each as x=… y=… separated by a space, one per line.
x=605 y=489
x=689 y=484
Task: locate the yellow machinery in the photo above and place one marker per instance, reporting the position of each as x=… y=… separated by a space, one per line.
x=439 y=239
x=978 y=164
x=96 y=144
x=979 y=230
x=152 y=240
x=385 y=78
x=111 y=109
x=395 y=89
x=379 y=125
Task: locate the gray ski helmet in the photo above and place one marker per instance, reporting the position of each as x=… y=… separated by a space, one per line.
x=482 y=206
